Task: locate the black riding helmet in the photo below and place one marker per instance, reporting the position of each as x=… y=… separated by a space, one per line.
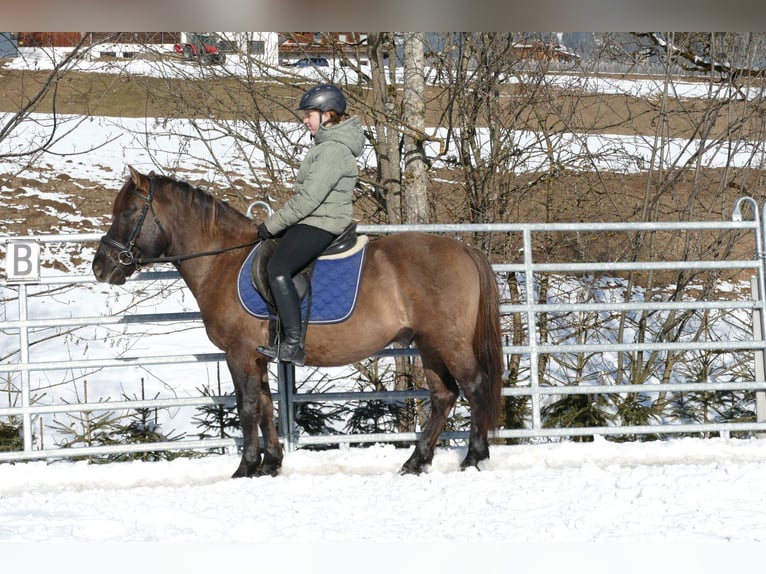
x=324 y=97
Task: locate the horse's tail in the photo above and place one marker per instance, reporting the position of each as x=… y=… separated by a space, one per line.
x=487 y=340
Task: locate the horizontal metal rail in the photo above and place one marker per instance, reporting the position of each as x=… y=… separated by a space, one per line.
x=462 y=228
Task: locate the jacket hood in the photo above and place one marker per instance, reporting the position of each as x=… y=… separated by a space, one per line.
x=348 y=132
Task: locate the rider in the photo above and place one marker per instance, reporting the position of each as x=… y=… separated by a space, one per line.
x=316 y=214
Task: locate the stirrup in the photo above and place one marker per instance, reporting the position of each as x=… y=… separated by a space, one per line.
x=268 y=352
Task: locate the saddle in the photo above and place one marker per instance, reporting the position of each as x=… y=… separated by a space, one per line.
x=345 y=242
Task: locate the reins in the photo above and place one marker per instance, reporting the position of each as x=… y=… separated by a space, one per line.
x=178 y=258
x=125 y=255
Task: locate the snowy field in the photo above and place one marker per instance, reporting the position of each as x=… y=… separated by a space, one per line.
x=598 y=507
x=636 y=507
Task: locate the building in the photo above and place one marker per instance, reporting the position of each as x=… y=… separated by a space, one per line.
x=294 y=46
x=543 y=52
x=70 y=39
x=272 y=48
x=264 y=46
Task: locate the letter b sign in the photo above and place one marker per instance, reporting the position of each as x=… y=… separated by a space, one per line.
x=22 y=261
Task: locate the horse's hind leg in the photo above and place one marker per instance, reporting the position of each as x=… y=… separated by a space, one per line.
x=478 y=444
x=443 y=394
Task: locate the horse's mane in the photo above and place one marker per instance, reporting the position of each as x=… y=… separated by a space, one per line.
x=211 y=209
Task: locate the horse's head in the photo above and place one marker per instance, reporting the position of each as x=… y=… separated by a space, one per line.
x=136 y=233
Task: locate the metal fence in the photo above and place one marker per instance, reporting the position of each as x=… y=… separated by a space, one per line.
x=544 y=371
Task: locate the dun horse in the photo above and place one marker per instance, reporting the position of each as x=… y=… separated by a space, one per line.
x=433 y=291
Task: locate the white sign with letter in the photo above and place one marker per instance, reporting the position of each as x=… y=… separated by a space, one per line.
x=22 y=262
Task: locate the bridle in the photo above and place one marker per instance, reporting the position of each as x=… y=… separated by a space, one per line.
x=125 y=255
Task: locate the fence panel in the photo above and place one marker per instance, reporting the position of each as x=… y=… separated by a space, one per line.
x=567 y=340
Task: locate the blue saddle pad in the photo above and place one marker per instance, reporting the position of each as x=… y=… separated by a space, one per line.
x=334 y=288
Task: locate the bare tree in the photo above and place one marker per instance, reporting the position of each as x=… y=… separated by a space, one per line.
x=388 y=188
x=26 y=146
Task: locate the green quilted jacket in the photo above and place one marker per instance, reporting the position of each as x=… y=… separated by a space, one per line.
x=324 y=186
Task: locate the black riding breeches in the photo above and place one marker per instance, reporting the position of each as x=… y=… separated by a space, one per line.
x=296 y=248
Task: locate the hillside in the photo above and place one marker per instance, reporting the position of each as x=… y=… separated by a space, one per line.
x=569 y=196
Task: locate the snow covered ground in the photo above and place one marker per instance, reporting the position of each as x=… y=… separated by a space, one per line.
x=597 y=507
x=678 y=490
x=664 y=506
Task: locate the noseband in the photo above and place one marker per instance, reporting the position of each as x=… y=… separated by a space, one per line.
x=125 y=254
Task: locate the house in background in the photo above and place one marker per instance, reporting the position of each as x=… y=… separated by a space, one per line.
x=271 y=48
x=543 y=52
x=262 y=46
x=287 y=48
x=295 y=46
x=70 y=39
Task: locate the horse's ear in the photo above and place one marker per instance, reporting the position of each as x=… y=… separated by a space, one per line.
x=135 y=176
x=140 y=181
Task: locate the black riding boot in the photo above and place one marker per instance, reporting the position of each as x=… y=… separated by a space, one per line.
x=289 y=348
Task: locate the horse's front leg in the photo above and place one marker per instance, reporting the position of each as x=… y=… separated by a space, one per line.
x=255 y=409
x=272 y=449
x=247 y=410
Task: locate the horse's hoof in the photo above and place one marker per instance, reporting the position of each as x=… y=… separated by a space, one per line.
x=246 y=470
x=270 y=465
x=240 y=473
x=414 y=469
x=268 y=470
x=471 y=461
x=407 y=471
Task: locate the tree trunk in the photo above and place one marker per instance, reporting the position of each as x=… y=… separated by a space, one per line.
x=414 y=116
x=386 y=137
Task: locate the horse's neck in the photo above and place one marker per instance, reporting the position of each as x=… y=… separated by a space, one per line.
x=192 y=236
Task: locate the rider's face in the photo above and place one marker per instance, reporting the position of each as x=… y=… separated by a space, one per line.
x=312 y=119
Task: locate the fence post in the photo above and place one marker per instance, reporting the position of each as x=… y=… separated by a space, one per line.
x=26 y=384
x=532 y=333
x=287 y=426
x=760 y=357
x=758 y=293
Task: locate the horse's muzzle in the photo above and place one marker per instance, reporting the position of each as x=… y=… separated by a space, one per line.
x=108 y=271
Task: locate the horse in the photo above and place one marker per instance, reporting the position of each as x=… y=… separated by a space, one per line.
x=434 y=291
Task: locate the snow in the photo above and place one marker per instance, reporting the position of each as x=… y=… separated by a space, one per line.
x=351 y=510
x=678 y=490
x=635 y=506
